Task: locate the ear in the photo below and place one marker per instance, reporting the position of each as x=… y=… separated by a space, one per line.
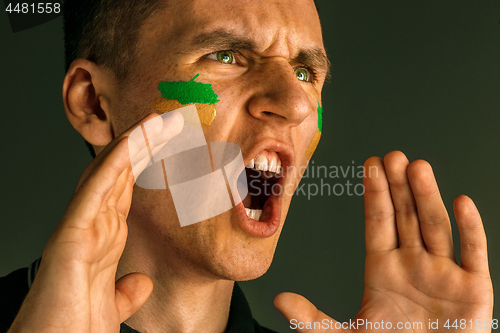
x=87 y=92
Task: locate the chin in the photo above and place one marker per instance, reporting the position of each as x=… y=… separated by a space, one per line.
x=245 y=269
x=246 y=257
x=217 y=248
x=236 y=255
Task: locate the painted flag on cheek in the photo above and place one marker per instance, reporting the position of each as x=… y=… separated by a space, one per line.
x=205 y=180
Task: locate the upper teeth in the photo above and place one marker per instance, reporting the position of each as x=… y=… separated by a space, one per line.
x=263 y=163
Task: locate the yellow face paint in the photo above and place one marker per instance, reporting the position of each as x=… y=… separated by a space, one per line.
x=314 y=144
x=206 y=112
x=317 y=136
x=181 y=93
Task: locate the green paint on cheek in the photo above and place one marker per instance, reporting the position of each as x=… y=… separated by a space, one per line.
x=189 y=92
x=320 y=118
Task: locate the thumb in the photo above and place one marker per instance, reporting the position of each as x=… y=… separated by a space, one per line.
x=131 y=292
x=303 y=316
x=149 y=139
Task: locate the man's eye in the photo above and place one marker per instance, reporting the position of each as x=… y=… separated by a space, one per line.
x=302 y=74
x=225 y=57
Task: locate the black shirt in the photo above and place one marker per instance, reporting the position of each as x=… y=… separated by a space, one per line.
x=15 y=286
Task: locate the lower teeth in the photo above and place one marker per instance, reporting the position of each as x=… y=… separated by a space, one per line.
x=254 y=213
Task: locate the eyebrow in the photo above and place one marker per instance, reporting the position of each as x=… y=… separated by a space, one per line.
x=222 y=40
x=316 y=59
x=226 y=40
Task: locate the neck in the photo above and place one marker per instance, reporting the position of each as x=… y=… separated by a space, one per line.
x=183 y=298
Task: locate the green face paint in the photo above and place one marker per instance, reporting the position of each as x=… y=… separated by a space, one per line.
x=181 y=93
x=190 y=92
x=317 y=136
x=320 y=118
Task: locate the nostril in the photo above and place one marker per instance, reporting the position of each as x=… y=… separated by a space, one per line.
x=269 y=113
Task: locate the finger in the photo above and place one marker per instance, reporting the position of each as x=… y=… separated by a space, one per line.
x=153 y=140
x=102 y=155
x=396 y=164
x=113 y=161
x=113 y=195
x=299 y=311
x=100 y=177
x=472 y=236
x=380 y=225
x=131 y=292
x=89 y=199
x=123 y=204
x=143 y=159
x=153 y=134
x=434 y=221
x=172 y=125
x=118 y=190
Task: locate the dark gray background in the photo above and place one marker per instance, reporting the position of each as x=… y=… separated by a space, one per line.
x=417 y=76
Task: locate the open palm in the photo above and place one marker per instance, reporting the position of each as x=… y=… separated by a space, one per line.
x=412 y=280
x=75 y=288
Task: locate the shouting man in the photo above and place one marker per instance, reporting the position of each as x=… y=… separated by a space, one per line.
x=120 y=260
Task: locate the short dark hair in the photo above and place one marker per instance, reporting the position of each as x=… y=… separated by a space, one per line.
x=105 y=32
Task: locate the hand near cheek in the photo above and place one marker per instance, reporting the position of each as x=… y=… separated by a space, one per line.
x=411 y=274
x=75 y=288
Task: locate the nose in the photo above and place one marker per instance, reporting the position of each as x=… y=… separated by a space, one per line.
x=279 y=97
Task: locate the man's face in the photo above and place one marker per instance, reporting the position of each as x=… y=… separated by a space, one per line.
x=265 y=59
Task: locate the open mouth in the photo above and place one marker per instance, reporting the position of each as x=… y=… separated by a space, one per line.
x=263 y=176
x=260 y=212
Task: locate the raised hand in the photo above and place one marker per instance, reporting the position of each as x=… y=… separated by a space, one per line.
x=412 y=280
x=75 y=289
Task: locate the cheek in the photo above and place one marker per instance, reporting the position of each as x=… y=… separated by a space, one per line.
x=157 y=207
x=229 y=115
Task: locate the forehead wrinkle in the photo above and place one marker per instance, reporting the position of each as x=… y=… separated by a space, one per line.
x=249 y=32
